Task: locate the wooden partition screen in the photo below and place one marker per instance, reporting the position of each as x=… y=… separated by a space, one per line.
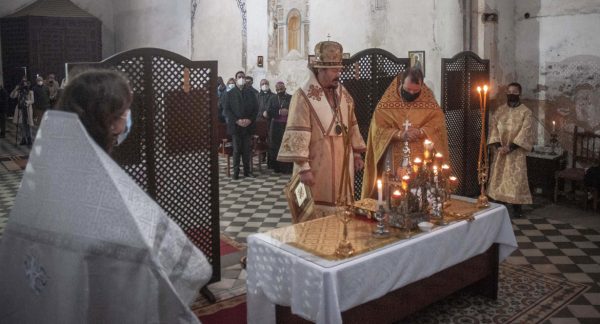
x=170 y=152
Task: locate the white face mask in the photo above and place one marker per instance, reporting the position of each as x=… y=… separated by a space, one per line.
x=40 y=82
x=264 y=87
x=230 y=86
x=241 y=81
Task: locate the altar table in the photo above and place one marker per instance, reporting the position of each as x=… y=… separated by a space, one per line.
x=320 y=289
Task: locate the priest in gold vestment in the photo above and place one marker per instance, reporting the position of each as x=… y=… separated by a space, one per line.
x=321 y=114
x=511 y=136
x=407 y=111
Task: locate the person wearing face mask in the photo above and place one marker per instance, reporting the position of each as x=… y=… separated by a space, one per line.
x=41 y=100
x=407 y=112
x=264 y=98
x=241 y=107
x=249 y=85
x=53 y=90
x=99 y=243
x=23 y=115
x=278 y=114
x=511 y=138
x=321 y=126
x=101 y=99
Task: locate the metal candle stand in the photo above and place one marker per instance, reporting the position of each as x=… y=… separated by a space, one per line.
x=413 y=206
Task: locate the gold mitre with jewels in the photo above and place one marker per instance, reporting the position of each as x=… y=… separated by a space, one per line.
x=328 y=54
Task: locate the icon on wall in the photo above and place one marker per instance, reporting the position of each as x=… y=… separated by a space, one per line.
x=417 y=60
x=259 y=61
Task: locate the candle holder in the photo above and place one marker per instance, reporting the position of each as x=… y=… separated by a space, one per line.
x=553 y=143
x=344 y=248
x=482 y=200
x=381 y=231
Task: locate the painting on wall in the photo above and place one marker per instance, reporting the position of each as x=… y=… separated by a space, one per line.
x=417 y=60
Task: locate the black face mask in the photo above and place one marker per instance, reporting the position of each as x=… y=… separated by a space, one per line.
x=409 y=96
x=512 y=99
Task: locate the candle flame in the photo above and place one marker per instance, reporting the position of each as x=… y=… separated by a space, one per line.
x=406 y=177
x=379 y=185
x=426 y=142
x=485 y=88
x=418 y=160
x=397 y=193
x=479 y=89
x=453 y=178
x=438 y=155
x=445 y=166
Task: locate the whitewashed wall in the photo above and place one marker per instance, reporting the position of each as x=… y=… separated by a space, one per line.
x=434 y=26
x=258 y=39
x=217 y=35
x=557 y=56
x=153 y=23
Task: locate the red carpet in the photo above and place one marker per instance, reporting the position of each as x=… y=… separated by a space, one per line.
x=230 y=310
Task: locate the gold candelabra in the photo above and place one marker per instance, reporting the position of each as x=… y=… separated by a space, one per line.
x=482 y=163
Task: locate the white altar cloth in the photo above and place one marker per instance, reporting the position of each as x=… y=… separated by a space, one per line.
x=319 y=290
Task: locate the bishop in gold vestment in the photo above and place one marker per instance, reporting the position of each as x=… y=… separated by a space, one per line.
x=389 y=120
x=313 y=139
x=510 y=127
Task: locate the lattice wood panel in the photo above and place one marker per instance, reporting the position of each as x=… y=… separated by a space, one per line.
x=460 y=77
x=170 y=150
x=366 y=75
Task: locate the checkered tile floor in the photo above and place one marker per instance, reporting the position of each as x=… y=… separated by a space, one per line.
x=251 y=205
x=7 y=145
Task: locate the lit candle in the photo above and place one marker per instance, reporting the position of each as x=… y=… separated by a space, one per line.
x=435 y=169
x=445 y=168
x=553 y=126
x=452 y=180
x=438 y=156
x=379 y=193
x=416 y=165
x=396 y=197
x=428 y=145
x=405 y=179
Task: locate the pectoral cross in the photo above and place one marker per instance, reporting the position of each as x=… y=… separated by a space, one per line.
x=406 y=124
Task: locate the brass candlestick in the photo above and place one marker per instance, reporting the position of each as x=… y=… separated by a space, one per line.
x=344 y=248
x=482 y=167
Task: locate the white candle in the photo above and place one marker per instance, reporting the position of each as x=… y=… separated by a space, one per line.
x=553 y=126
x=379 y=193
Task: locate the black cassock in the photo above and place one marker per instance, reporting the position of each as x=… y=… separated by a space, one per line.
x=277 y=129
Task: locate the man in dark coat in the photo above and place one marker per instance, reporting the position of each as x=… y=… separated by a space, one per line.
x=240 y=106
x=264 y=100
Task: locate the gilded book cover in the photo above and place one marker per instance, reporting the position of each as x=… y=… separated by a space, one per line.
x=299 y=198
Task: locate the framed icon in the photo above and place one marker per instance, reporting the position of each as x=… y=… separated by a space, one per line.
x=417 y=60
x=259 y=61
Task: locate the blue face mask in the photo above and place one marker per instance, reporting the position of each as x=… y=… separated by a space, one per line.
x=121 y=138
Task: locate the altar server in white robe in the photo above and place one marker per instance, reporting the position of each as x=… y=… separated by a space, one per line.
x=85 y=244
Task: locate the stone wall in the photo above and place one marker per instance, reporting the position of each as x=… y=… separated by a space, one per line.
x=558 y=63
